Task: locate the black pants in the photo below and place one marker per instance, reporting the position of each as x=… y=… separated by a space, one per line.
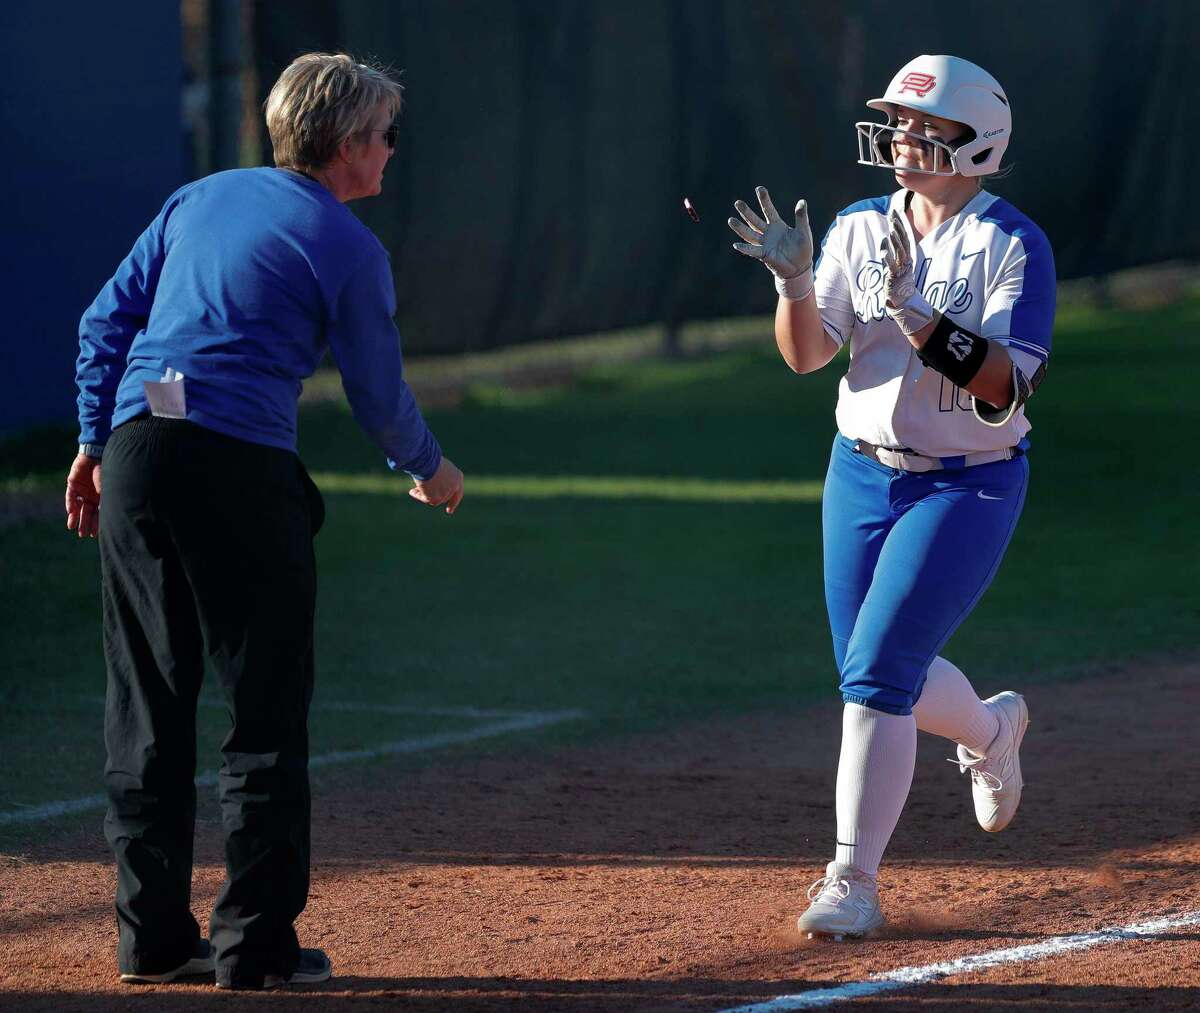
x=206 y=553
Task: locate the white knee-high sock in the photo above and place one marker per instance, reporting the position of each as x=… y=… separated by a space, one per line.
x=875 y=771
x=949 y=707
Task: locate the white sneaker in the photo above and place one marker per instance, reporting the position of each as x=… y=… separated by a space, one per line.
x=845 y=904
x=996 y=776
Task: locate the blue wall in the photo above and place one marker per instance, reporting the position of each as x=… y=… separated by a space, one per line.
x=92 y=146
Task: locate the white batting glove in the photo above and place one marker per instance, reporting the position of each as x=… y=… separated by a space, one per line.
x=786 y=250
x=903 y=302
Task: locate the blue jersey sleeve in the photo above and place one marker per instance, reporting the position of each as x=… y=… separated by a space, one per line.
x=109 y=326
x=366 y=347
x=1019 y=311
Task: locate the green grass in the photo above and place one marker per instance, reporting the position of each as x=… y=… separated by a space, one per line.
x=644 y=544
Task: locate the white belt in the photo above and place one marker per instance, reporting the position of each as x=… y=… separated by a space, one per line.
x=906 y=460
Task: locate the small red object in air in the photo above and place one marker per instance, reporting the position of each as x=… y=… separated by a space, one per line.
x=690 y=208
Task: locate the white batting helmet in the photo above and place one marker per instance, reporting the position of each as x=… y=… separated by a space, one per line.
x=953 y=89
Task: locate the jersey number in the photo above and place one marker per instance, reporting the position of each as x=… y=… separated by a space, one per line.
x=951 y=397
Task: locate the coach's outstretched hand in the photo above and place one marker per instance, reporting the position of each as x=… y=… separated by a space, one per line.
x=446 y=486
x=787 y=250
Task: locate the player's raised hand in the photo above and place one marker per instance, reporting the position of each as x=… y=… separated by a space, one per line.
x=898 y=281
x=785 y=249
x=903 y=302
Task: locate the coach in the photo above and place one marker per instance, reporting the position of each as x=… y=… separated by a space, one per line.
x=190 y=368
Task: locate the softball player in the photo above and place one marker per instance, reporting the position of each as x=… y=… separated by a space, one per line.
x=945 y=295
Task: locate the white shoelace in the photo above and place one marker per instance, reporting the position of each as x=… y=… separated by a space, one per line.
x=837 y=887
x=985 y=778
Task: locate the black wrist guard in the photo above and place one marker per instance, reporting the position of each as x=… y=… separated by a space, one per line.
x=953 y=352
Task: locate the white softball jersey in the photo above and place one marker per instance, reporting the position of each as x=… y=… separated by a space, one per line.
x=989 y=269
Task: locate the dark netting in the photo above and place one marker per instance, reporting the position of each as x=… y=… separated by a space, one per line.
x=546 y=146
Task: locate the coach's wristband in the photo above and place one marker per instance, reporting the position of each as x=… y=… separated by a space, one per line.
x=93 y=450
x=955 y=353
x=797 y=287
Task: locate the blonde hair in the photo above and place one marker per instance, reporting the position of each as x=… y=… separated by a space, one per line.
x=321 y=99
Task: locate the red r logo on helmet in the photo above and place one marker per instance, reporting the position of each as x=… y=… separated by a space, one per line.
x=919 y=84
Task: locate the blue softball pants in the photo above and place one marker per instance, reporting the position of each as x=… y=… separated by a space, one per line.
x=907 y=556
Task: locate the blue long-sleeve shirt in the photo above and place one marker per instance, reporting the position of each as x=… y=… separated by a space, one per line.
x=240 y=284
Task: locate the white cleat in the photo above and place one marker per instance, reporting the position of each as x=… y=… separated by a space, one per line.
x=845 y=905
x=996 y=776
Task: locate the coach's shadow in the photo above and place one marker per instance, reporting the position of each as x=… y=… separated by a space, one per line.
x=546 y=995
x=433 y=995
x=543 y=995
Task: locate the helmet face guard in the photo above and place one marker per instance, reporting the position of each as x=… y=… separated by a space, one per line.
x=875 y=148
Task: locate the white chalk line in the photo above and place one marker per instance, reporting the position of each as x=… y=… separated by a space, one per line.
x=216 y=703
x=906 y=977
x=510 y=721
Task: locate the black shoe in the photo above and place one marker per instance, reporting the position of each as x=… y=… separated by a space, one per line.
x=201 y=962
x=313 y=966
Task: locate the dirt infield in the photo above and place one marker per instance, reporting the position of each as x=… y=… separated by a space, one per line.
x=667 y=874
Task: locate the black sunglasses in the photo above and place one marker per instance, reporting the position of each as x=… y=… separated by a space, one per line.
x=389 y=135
